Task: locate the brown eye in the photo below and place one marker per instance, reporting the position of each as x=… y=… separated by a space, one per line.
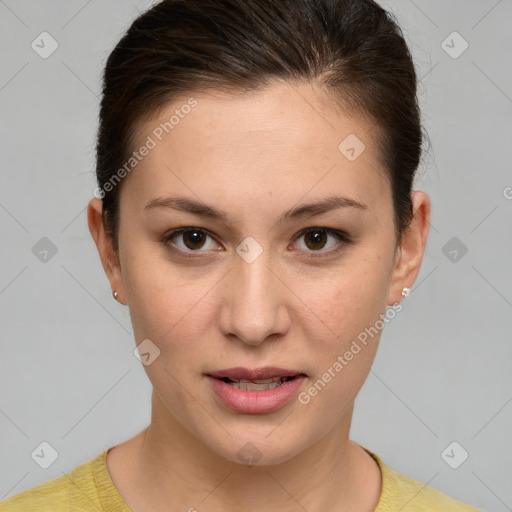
x=194 y=239
x=190 y=239
x=322 y=240
x=315 y=239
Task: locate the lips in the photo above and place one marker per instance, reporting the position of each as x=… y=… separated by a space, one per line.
x=255 y=391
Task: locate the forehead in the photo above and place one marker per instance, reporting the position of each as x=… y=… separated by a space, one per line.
x=284 y=137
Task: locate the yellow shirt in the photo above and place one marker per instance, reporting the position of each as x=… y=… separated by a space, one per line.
x=89 y=487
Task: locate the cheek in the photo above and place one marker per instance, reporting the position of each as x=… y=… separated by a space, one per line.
x=343 y=359
x=345 y=330
x=173 y=313
x=346 y=300
x=166 y=313
x=166 y=308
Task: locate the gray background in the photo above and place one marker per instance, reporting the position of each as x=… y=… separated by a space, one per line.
x=442 y=374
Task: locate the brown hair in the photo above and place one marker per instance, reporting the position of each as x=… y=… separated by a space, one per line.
x=352 y=48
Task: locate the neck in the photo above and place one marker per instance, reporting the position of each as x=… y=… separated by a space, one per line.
x=178 y=471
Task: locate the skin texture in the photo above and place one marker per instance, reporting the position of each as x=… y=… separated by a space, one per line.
x=255 y=156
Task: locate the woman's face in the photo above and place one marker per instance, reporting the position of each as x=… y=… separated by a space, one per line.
x=243 y=288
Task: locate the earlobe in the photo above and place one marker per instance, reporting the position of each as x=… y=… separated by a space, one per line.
x=103 y=241
x=411 y=250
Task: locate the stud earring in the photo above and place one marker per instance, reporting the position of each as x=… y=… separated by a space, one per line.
x=115 y=295
x=405 y=291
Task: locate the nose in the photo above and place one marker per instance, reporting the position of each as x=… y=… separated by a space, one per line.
x=254 y=307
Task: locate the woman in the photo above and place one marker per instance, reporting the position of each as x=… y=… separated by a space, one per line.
x=255 y=212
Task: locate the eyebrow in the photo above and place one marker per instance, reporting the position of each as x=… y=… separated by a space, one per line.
x=199 y=208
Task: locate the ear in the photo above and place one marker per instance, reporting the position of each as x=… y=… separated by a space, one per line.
x=108 y=255
x=410 y=252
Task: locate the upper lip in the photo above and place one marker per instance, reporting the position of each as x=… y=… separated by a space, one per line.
x=241 y=373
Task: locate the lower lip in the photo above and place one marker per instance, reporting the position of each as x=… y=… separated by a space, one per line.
x=258 y=401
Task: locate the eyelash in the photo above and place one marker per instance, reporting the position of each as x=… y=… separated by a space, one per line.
x=341 y=236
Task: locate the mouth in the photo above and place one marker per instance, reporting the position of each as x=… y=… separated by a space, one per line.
x=256 y=391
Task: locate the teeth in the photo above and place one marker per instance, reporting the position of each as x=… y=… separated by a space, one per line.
x=265 y=381
x=257 y=385
x=247 y=385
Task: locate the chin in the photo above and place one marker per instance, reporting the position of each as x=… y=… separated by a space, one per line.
x=263 y=447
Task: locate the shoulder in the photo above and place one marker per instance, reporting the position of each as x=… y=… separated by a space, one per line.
x=51 y=495
x=75 y=490
x=399 y=490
